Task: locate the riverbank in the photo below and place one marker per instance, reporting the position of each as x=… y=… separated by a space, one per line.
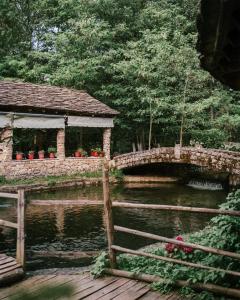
x=50 y=183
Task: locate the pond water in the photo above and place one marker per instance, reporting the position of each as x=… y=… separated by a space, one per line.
x=80 y=228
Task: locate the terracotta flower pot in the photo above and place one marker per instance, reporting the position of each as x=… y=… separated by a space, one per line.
x=94 y=153
x=77 y=154
x=101 y=154
x=51 y=155
x=30 y=155
x=41 y=155
x=19 y=156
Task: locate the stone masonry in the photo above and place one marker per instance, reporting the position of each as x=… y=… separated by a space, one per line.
x=49 y=167
x=6 y=141
x=107 y=142
x=61 y=144
x=219 y=161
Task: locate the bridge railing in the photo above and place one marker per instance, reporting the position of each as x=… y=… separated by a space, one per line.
x=20 y=247
x=113 y=249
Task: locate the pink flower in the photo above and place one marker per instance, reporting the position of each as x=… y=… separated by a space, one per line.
x=170 y=247
x=187 y=249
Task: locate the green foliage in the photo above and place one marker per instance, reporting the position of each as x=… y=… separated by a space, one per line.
x=222 y=233
x=47 y=292
x=101 y=263
x=2 y=180
x=52 y=150
x=136 y=56
x=118 y=174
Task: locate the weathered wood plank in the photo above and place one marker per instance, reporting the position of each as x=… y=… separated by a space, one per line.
x=92 y=287
x=9 y=266
x=108 y=218
x=136 y=292
x=107 y=289
x=119 y=290
x=28 y=284
x=154 y=296
x=6 y=260
x=8 y=195
x=88 y=288
x=66 y=202
x=177 y=208
x=8 y=224
x=20 y=255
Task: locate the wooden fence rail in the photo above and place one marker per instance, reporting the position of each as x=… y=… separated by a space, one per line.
x=110 y=229
x=177 y=208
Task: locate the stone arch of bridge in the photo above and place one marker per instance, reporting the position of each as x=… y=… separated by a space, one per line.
x=218 y=161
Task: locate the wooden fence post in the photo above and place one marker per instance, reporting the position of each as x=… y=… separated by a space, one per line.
x=108 y=219
x=20 y=255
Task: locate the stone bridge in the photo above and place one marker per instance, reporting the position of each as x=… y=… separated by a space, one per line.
x=219 y=161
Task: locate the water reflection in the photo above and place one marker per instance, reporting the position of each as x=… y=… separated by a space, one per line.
x=81 y=228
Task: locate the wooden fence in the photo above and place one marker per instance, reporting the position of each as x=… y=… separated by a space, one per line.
x=20 y=247
x=113 y=249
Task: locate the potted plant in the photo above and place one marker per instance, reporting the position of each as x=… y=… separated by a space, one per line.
x=41 y=154
x=101 y=154
x=30 y=154
x=78 y=152
x=95 y=152
x=84 y=153
x=19 y=155
x=52 y=151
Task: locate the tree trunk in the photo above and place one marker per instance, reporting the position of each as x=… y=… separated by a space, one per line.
x=150 y=128
x=183 y=112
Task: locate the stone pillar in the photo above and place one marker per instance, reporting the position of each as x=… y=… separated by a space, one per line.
x=177 y=151
x=107 y=142
x=61 y=143
x=6 y=144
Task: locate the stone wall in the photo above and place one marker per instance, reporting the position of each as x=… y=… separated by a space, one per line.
x=48 y=167
x=219 y=161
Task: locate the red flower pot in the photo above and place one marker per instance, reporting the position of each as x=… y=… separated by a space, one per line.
x=31 y=156
x=51 y=155
x=77 y=154
x=19 y=156
x=41 y=155
x=94 y=153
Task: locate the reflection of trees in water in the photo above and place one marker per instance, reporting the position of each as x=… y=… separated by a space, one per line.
x=84 y=192
x=8 y=235
x=65 y=227
x=68 y=227
x=164 y=223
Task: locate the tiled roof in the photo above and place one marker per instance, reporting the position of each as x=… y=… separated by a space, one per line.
x=15 y=96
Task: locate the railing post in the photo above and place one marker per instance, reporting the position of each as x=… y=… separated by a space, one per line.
x=20 y=255
x=108 y=219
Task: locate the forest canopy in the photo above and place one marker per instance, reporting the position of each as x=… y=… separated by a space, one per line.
x=138 y=57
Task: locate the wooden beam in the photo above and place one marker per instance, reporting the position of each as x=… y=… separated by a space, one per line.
x=66 y=202
x=213 y=288
x=8 y=195
x=176 y=242
x=108 y=219
x=173 y=260
x=20 y=255
x=177 y=208
x=8 y=224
